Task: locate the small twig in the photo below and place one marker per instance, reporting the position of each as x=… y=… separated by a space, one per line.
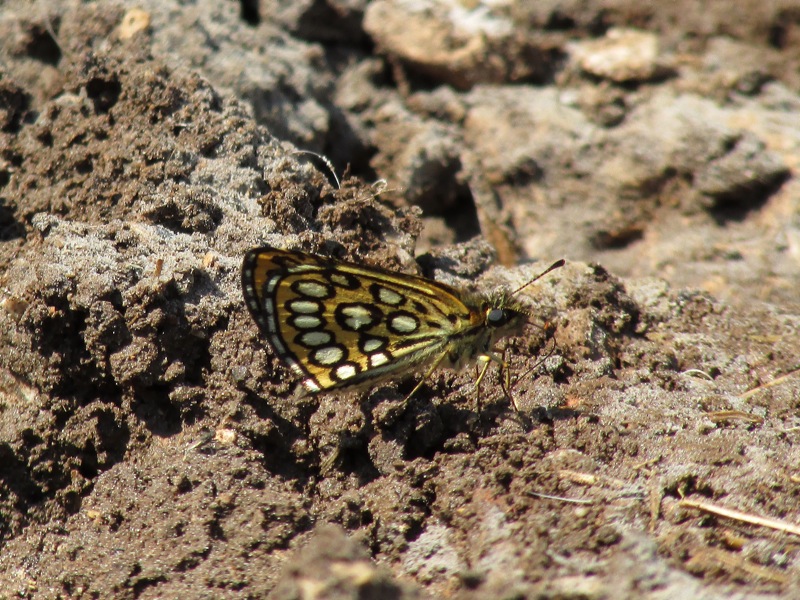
x=577 y=477
x=698 y=372
x=648 y=463
x=736 y=515
x=325 y=160
x=561 y=498
x=734 y=415
x=770 y=384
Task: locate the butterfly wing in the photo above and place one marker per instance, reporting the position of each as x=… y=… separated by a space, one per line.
x=335 y=323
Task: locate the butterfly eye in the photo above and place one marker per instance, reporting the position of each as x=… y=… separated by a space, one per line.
x=497 y=317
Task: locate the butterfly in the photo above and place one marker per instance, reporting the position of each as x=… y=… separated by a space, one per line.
x=337 y=324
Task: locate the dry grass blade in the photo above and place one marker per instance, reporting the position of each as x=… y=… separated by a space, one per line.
x=770 y=384
x=736 y=515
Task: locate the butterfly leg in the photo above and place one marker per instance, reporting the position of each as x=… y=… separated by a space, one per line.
x=432 y=368
x=486 y=360
x=505 y=381
x=505 y=374
x=505 y=378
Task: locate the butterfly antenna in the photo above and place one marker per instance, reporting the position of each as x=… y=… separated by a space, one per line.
x=556 y=265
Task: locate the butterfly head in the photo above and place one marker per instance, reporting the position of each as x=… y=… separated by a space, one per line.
x=504 y=316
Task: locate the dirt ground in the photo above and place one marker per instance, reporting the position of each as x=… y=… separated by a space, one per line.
x=153 y=446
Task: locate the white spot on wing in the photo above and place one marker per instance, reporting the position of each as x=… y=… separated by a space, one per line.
x=372 y=344
x=388 y=296
x=315 y=338
x=345 y=371
x=272 y=283
x=313 y=289
x=306 y=322
x=403 y=324
x=376 y=360
x=357 y=317
x=311 y=385
x=278 y=344
x=328 y=356
x=340 y=279
x=304 y=306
